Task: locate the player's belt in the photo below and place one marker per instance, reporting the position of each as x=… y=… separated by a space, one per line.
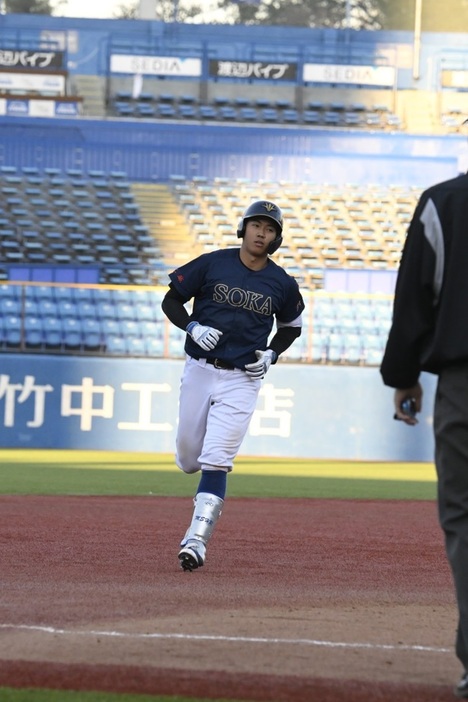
x=218 y=363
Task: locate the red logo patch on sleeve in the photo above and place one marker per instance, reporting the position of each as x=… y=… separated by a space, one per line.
x=180 y=278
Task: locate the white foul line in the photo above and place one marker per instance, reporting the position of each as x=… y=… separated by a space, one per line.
x=231 y=639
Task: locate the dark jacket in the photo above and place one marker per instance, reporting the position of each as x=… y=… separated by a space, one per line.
x=430 y=316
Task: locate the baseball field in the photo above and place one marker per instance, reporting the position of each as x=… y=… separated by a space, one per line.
x=324 y=581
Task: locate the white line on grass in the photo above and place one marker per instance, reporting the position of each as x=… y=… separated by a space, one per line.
x=231 y=639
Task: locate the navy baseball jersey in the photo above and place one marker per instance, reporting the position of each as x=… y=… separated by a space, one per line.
x=238 y=301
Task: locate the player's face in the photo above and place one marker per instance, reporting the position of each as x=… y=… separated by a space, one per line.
x=259 y=233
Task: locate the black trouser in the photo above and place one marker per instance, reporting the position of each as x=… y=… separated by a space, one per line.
x=451 y=457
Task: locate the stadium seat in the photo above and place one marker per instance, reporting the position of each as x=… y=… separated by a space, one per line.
x=129 y=328
x=86 y=310
x=154 y=347
x=125 y=312
x=110 y=327
x=116 y=345
x=92 y=341
x=12 y=334
x=67 y=309
x=144 y=312
x=10 y=306
x=135 y=346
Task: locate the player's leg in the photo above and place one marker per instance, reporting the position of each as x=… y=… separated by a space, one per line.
x=207 y=507
x=451 y=439
x=194 y=404
x=232 y=405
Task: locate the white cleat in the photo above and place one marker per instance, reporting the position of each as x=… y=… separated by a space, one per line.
x=192 y=555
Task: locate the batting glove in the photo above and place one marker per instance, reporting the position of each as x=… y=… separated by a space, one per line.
x=258 y=369
x=206 y=337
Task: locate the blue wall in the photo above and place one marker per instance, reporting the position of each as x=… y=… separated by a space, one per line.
x=153 y=151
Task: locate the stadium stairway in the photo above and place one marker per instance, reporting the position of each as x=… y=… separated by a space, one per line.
x=161 y=213
x=92 y=90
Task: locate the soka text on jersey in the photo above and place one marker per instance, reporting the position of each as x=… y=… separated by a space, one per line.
x=249 y=300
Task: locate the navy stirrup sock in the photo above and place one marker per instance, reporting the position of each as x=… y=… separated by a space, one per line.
x=213 y=482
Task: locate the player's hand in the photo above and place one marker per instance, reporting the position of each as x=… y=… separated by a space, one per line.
x=258 y=370
x=205 y=337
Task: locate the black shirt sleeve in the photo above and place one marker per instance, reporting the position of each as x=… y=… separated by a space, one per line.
x=283 y=339
x=173 y=306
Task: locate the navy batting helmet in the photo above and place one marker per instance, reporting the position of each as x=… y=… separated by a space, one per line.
x=264 y=208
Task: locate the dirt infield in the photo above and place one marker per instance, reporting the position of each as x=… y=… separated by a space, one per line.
x=299 y=600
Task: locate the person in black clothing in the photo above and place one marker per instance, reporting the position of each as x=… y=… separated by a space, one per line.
x=429 y=332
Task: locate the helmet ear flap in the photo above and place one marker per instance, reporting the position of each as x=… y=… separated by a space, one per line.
x=274 y=246
x=241 y=229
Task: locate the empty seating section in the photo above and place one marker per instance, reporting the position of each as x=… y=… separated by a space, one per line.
x=87 y=320
x=74 y=218
x=344 y=329
x=326 y=226
x=350 y=115
x=338 y=328
x=67 y=218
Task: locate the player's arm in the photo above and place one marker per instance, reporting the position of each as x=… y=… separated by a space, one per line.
x=284 y=337
x=173 y=306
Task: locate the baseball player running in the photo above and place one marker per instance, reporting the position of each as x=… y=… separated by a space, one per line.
x=237 y=295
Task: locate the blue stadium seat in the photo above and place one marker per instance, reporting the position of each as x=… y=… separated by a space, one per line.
x=86 y=310
x=12 y=330
x=150 y=329
x=144 y=313
x=269 y=114
x=66 y=309
x=11 y=292
x=154 y=346
x=290 y=116
x=129 y=328
x=10 y=306
x=63 y=293
x=125 y=312
x=110 y=327
x=116 y=345
x=44 y=292
x=71 y=330
x=136 y=346
x=92 y=341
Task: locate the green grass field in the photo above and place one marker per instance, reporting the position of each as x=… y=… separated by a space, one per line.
x=8 y=694
x=43 y=472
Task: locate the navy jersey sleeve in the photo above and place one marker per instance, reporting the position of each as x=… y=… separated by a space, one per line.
x=189 y=278
x=293 y=304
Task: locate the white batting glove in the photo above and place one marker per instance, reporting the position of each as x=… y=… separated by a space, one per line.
x=205 y=337
x=258 y=369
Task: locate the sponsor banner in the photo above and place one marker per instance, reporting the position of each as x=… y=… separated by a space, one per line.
x=355 y=75
x=40 y=60
x=132 y=405
x=41 y=108
x=32 y=82
x=156 y=65
x=17 y=107
x=66 y=109
x=454 y=79
x=258 y=70
x=38 y=108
